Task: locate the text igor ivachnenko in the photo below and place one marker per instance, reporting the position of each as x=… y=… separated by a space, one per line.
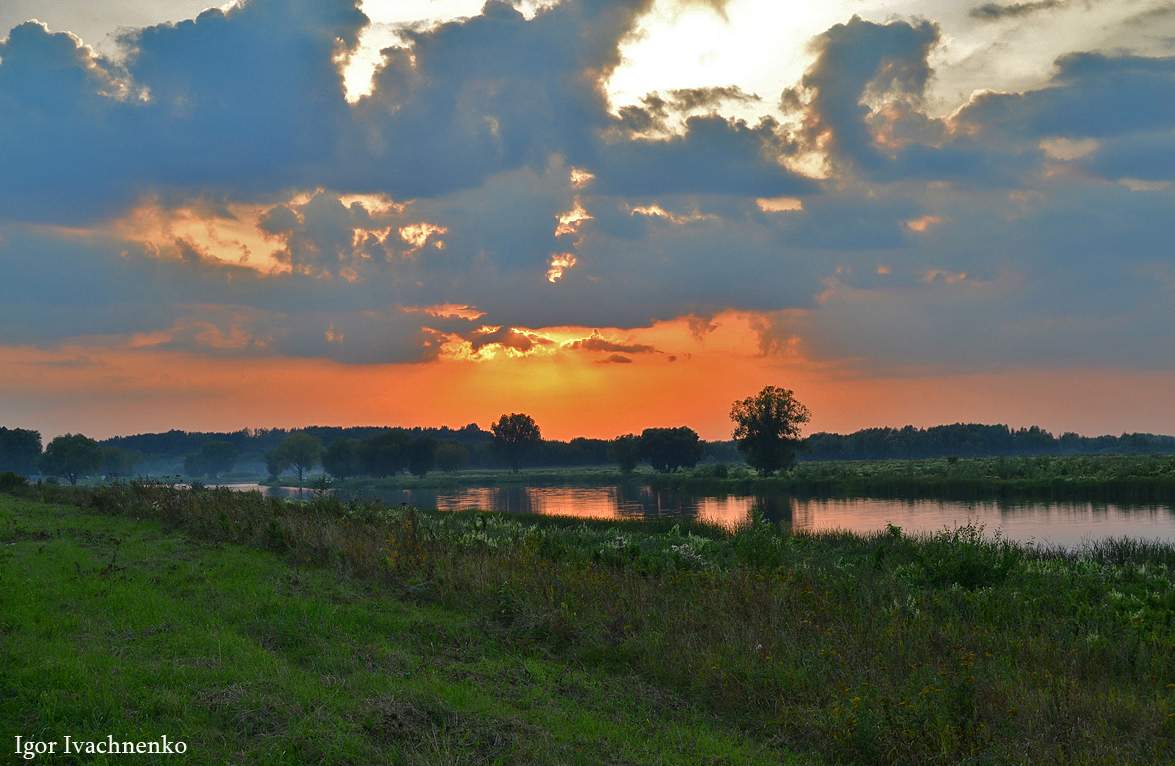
x=30 y=748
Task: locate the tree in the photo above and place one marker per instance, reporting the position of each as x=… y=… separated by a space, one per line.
x=383 y=454
x=275 y=463
x=421 y=455
x=20 y=450
x=451 y=456
x=302 y=451
x=515 y=435
x=767 y=428
x=72 y=456
x=212 y=459
x=119 y=462
x=626 y=452
x=667 y=449
x=341 y=459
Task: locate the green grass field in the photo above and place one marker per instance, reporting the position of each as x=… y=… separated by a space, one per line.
x=118 y=626
x=264 y=631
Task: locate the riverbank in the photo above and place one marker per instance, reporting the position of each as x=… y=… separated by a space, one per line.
x=1106 y=478
x=488 y=477
x=1110 y=478
x=881 y=649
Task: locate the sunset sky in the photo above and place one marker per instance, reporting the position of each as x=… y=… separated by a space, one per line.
x=607 y=214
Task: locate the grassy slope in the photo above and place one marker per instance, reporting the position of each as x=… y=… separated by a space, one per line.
x=111 y=625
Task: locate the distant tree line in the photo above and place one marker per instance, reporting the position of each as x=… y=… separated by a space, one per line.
x=973 y=440
x=767 y=429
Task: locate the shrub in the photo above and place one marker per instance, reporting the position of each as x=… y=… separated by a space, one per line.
x=12 y=482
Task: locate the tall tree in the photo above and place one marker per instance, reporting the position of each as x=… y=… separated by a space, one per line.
x=212 y=459
x=302 y=451
x=20 y=450
x=667 y=449
x=275 y=463
x=72 y=456
x=451 y=456
x=421 y=455
x=767 y=428
x=626 y=452
x=117 y=461
x=341 y=459
x=515 y=435
x=384 y=454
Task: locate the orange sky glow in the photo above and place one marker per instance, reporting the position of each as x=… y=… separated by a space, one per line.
x=691 y=379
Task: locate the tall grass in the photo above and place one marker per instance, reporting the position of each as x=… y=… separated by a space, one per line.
x=956 y=647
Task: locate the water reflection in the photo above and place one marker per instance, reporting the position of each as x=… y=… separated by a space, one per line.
x=1058 y=523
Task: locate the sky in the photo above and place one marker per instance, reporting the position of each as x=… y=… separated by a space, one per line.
x=610 y=214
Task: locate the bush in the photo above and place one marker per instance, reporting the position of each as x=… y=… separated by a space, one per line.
x=11 y=482
x=963 y=556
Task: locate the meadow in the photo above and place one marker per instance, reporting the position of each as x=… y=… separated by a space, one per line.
x=271 y=631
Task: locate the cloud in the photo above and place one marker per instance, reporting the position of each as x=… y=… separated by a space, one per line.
x=857 y=59
x=1092 y=95
x=998 y=12
x=246 y=100
x=713 y=156
x=430 y=218
x=598 y=342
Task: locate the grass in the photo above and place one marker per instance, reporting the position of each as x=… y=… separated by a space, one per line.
x=129 y=627
x=684 y=643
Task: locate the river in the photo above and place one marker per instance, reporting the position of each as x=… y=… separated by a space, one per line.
x=1058 y=523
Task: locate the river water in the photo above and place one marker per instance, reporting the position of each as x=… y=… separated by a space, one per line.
x=1058 y=523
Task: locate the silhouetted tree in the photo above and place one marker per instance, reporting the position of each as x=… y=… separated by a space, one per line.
x=301 y=451
x=72 y=456
x=20 y=450
x=626 y=452
x=515 y=435
x=212 y=459
x=421 y=455
x=384 y=454
x=767 y=428
x=451 y=456
x=341 y=459
x=667 y=449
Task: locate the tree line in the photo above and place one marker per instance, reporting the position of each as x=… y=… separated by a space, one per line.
x=767 y=437
x=975 y=440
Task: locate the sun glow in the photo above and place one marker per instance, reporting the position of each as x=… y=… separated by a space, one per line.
x=229 y=233
x=692 y=45
x=559 y=265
